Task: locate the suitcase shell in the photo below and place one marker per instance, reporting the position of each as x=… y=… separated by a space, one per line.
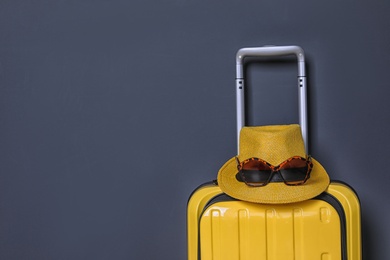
x=325 y=227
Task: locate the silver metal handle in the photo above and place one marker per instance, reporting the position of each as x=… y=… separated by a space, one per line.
x=272 y=51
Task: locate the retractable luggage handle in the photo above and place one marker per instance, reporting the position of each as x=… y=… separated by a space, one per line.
x=269 y=51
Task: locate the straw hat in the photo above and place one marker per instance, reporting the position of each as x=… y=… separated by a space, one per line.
x=274 y=144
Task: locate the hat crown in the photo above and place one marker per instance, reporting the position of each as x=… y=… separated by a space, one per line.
x=274 y=143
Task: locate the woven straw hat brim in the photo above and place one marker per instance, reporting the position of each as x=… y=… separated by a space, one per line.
x=274 y=192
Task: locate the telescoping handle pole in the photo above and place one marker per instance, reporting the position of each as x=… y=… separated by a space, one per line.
x=272 y=51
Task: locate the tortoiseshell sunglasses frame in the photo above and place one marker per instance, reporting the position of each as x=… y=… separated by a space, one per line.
x=275 y=169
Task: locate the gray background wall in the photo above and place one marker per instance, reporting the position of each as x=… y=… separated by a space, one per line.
x=112 y=112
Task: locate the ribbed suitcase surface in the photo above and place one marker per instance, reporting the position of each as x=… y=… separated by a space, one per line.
x=324 y=228
x=242 y=230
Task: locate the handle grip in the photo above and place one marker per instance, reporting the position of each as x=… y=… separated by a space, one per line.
x=272 y=51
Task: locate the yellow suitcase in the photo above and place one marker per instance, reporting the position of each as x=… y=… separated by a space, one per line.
x=222 y=228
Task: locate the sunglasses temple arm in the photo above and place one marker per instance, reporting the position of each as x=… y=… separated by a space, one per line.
x=238 y=163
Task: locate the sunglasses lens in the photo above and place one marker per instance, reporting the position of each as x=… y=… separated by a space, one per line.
x=294 y=171
x=255 y=173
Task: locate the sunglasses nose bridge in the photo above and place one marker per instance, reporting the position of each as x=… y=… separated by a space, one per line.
x=276 y=176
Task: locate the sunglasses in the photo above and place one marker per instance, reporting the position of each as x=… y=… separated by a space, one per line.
x=256 y=172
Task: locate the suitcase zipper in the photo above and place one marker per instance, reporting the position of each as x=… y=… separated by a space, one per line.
x=206 y=184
